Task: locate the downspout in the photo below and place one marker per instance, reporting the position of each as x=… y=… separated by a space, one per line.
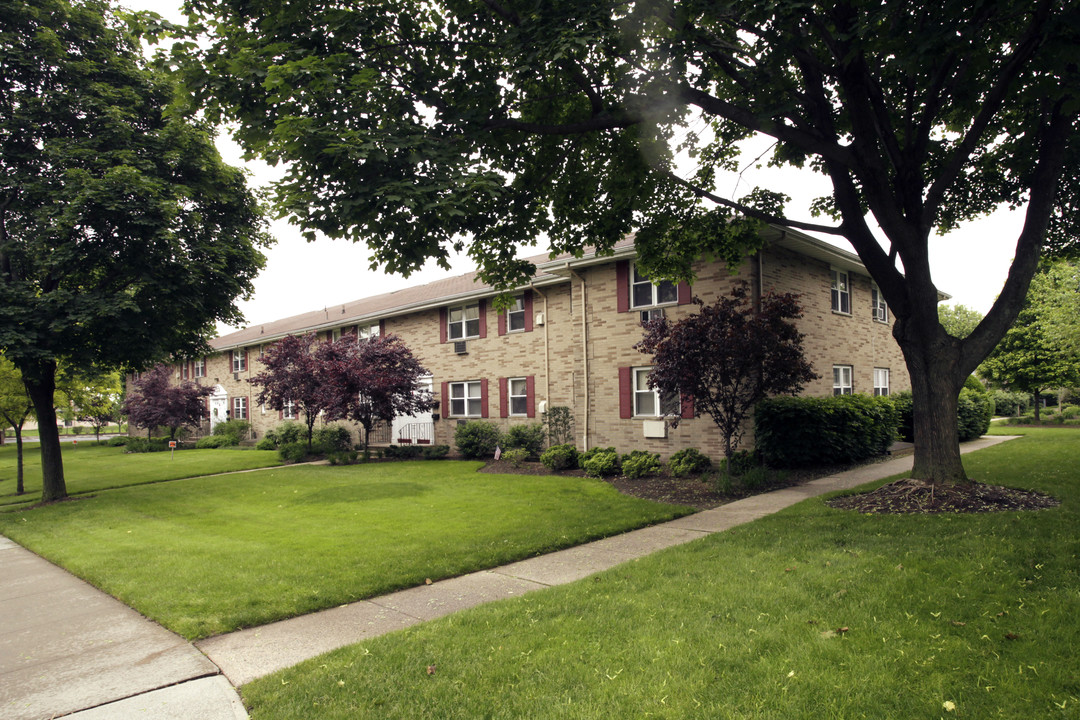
x=584 y=355
x=547 y=361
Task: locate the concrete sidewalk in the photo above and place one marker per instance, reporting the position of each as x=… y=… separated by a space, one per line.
x=67 y=649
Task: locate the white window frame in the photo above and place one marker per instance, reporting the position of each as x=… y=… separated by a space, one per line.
x=881 y=381
x=640 y=281
x=364 y=332
x=335 y=334
x=520 y=398
x=641 y=391
x=200 y=367
x=879 y=309
x=463 y=403
x=459 y=329
x=239 y=361
x=240 y=408
x=288 y=410
x=516 y=313
x=843 y=379
x=840 y=293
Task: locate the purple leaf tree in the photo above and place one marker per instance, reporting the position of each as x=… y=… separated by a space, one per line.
x=292 y=377
x=154 y=402
x=729 y=356
x=371 y=380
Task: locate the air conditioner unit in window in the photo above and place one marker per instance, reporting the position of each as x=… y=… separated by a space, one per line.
x=652 y=314
x=460 y=349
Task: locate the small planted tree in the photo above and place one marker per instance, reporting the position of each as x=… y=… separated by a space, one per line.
x=292 y=378
x=728 y=356
x=371 y=380
x=155 y=402
x=15 y=408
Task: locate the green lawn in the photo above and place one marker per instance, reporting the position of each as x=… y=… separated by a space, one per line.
x=90 y=468
x=211 y=555
x=811 y=613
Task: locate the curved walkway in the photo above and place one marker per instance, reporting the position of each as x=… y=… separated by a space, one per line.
x=69 y=650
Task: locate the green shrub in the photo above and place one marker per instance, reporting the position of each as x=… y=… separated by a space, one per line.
x=560 y=457
x=741 y=462
x=689 y=461
x=266 y=443
x=1010 y=403
x=639 y=464
x=237 y=429
x=559 y=421
x=974 y=383
x=434 y=452
x=528 y=437
x=287 y=432
x=973 y=413
x=293 y=452
x=118 y=441
x=905 y=429
x=476 y=439
x=142 y=445
x=77 y=430
x=1070 y=412
x=333 y=438
x=602 y=464
x=843 y=429
x=403 y=452
x=342 y=457
x=584 y=457
x=215 y=441
x=516 y=457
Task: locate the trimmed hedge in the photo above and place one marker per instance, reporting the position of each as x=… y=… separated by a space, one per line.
x=600 y=463
x=477 y=439
x=974 y=410
x=529 y=437
x=639 y=463
x=560 y=457
x=689 y=461
x=805 y=431
x=216 y=441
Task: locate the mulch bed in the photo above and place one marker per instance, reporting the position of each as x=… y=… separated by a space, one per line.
x=909 y=496
x=902 y=496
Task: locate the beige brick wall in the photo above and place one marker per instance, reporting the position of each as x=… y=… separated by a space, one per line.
x=553 y=352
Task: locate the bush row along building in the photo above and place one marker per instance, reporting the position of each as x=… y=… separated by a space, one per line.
x=568 y=341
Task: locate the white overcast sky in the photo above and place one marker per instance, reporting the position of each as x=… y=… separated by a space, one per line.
x=970 y=264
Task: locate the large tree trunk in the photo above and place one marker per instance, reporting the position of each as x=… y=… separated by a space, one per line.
x=40 y=382
x=933 y=362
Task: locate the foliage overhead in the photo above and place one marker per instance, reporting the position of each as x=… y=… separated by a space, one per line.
x=153 y=401
x=15 y=409
x=959 y=320
x=729 y=356
x=123 y=236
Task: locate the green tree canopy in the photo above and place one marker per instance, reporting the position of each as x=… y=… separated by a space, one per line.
x=424 y=125
x=959 y=320
x=123 y=236
x=15 y=409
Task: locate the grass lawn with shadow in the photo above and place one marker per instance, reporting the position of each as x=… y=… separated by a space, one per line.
x=210 y=555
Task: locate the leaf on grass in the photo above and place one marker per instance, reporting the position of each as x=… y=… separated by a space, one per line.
x=430 y=669
x=957 y=623
x=427 y=581
x=1011 y=636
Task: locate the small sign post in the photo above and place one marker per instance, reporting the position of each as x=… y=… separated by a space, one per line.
x=172 y=449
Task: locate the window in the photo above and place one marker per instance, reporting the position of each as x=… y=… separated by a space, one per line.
x=841 y=291
x=200 y=367
x=881 y=381
x=288 y=410
x=841 y=380
x=336 y=335
x=643 y=293
x=465 y=399
x=363 y=332
x=648 y=402
x=879 y=310
x=519 y=396
x=515 y=314
x=239 y=361
x=463 y=322
x=185 y=371
x=239 y=408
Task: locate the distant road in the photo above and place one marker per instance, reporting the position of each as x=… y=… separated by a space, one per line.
x=63 y=438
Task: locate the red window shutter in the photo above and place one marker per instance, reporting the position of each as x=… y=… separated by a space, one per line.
x=504 y=396
x=622 y=285
x=502 y=322
x=483 y=388
x=687 y=407
x=528 y=312
x=530 y=395
x=442 y=325
x=382 y=328
x=280 y=414
x=626 y=393
x=483 y=320
x=445 y=403
x=685 y=295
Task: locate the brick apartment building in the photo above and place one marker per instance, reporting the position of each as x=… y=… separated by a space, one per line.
x=568 y=341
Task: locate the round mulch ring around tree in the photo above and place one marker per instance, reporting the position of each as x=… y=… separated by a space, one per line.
x=917 y=496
